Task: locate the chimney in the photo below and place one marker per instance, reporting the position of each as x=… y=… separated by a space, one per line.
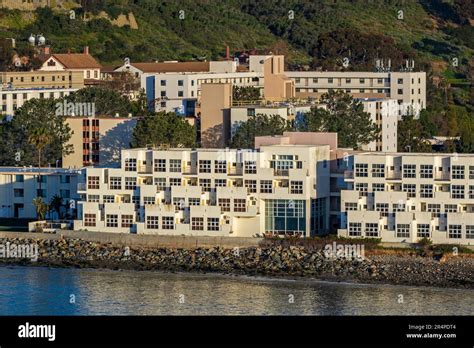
x=86 y=49
x=46 y=50
x=68 y=51
x=227 y=53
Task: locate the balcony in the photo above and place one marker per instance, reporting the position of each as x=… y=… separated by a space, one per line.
x=348 y=174
x=236 y=170
x=189 y=171
x=144 y=169
x=281 y=172
x=442 y=177
x=393 y=175
x=81 y=187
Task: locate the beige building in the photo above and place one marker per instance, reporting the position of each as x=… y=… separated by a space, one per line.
x=408 y=88
x=98 y=140
x=277 y=189
x=41 y=79
x=403 y=197
x=81 y=62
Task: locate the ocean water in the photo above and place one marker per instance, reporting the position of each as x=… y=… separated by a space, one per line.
x=49 y=291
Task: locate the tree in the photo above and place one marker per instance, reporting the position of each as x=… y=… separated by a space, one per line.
x=56 y=204
x=40 y=138
x=163 y=129
x=35 y=132
x=41 y=207
x=245 y=93
x=258 y=125
x=411 y=135
x=343 y=115
x=106 y=101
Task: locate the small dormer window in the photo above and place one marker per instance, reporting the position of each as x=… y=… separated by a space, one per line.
x=51 y=63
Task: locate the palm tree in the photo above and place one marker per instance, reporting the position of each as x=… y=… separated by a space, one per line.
x=40 y=138
x=41 y=207
x=55 y=204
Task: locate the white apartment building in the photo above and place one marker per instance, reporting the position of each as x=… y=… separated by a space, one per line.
x=20 y=185
x=14 y=98
x=384 y=113
x=278 y=189
x=179 y=92
x=408 y=88
x=403 y=197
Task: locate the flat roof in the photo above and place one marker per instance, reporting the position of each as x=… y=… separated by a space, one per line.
x=36 y=170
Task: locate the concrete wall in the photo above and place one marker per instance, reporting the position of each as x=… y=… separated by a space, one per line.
x=151 y=241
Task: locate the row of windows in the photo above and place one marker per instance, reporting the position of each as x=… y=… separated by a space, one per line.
x=347 y=80
x=425 y=190
x=410 y=171
x=434 y=208
x=403 y=230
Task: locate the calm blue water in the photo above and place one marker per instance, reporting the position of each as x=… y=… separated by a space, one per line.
x=44 y=291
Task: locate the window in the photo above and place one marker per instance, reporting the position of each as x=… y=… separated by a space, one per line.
x=266 y=186
x=378 y=187
x=220 y=182
x=160 y=165
x=371 y=230
x=18 y=192
x=471 y=191
x=400 y=81
x=403 y=231
x=93 y=182
x=450 y=208
x=127 y=221
x=180 y=83
x=108 y=199
x=167 y=223
x=330 y=80
x=409 y=170
x=152 y=222
x=93 y=198
x=240 y=205
x=455 y=231
x=470 y=231
x=348 y=80
x=471 y=172
x=131 y=165
x=220 y=167
x=197 y=224
x=250 y=167
x=423 y=231
x=213 y=224
x=180 y=93
x=350 y=206
x=205 y=184
x=382 y=208
x=296 y=187
x=65 y=179
x=458 y=172
x=175 y=181
x=130 y=183
x=148 y=200
x=434 y=209
x=362 y=188
x=410 y=189
x=426 y=191
x=162 y=82
x=400 y=91
x=378 y=170
x=224 y=203
x=21 y=178
x=398 y=207
x=355 y=229
x=251 y=186
x=160 y=183
x=194 y=201
x=361 y=170
x=204 y=166
x=115 y=183
x=457 y=191
x=297 y=80
x=112 y=220
x=426 y=171
x=89 y=220
x=250 y=112
x=175 y=166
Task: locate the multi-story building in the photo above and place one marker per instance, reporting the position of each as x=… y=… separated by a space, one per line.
x=408 y=88
x=42 y=79
x=384 y=113
x=20 y=185
x=82 y=62
x=403 y=197
x=277 y=189
x=14 y=98
x=181 y=92
x=98 y=140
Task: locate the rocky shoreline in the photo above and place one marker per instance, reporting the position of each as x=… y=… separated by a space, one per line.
x=269 y=260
